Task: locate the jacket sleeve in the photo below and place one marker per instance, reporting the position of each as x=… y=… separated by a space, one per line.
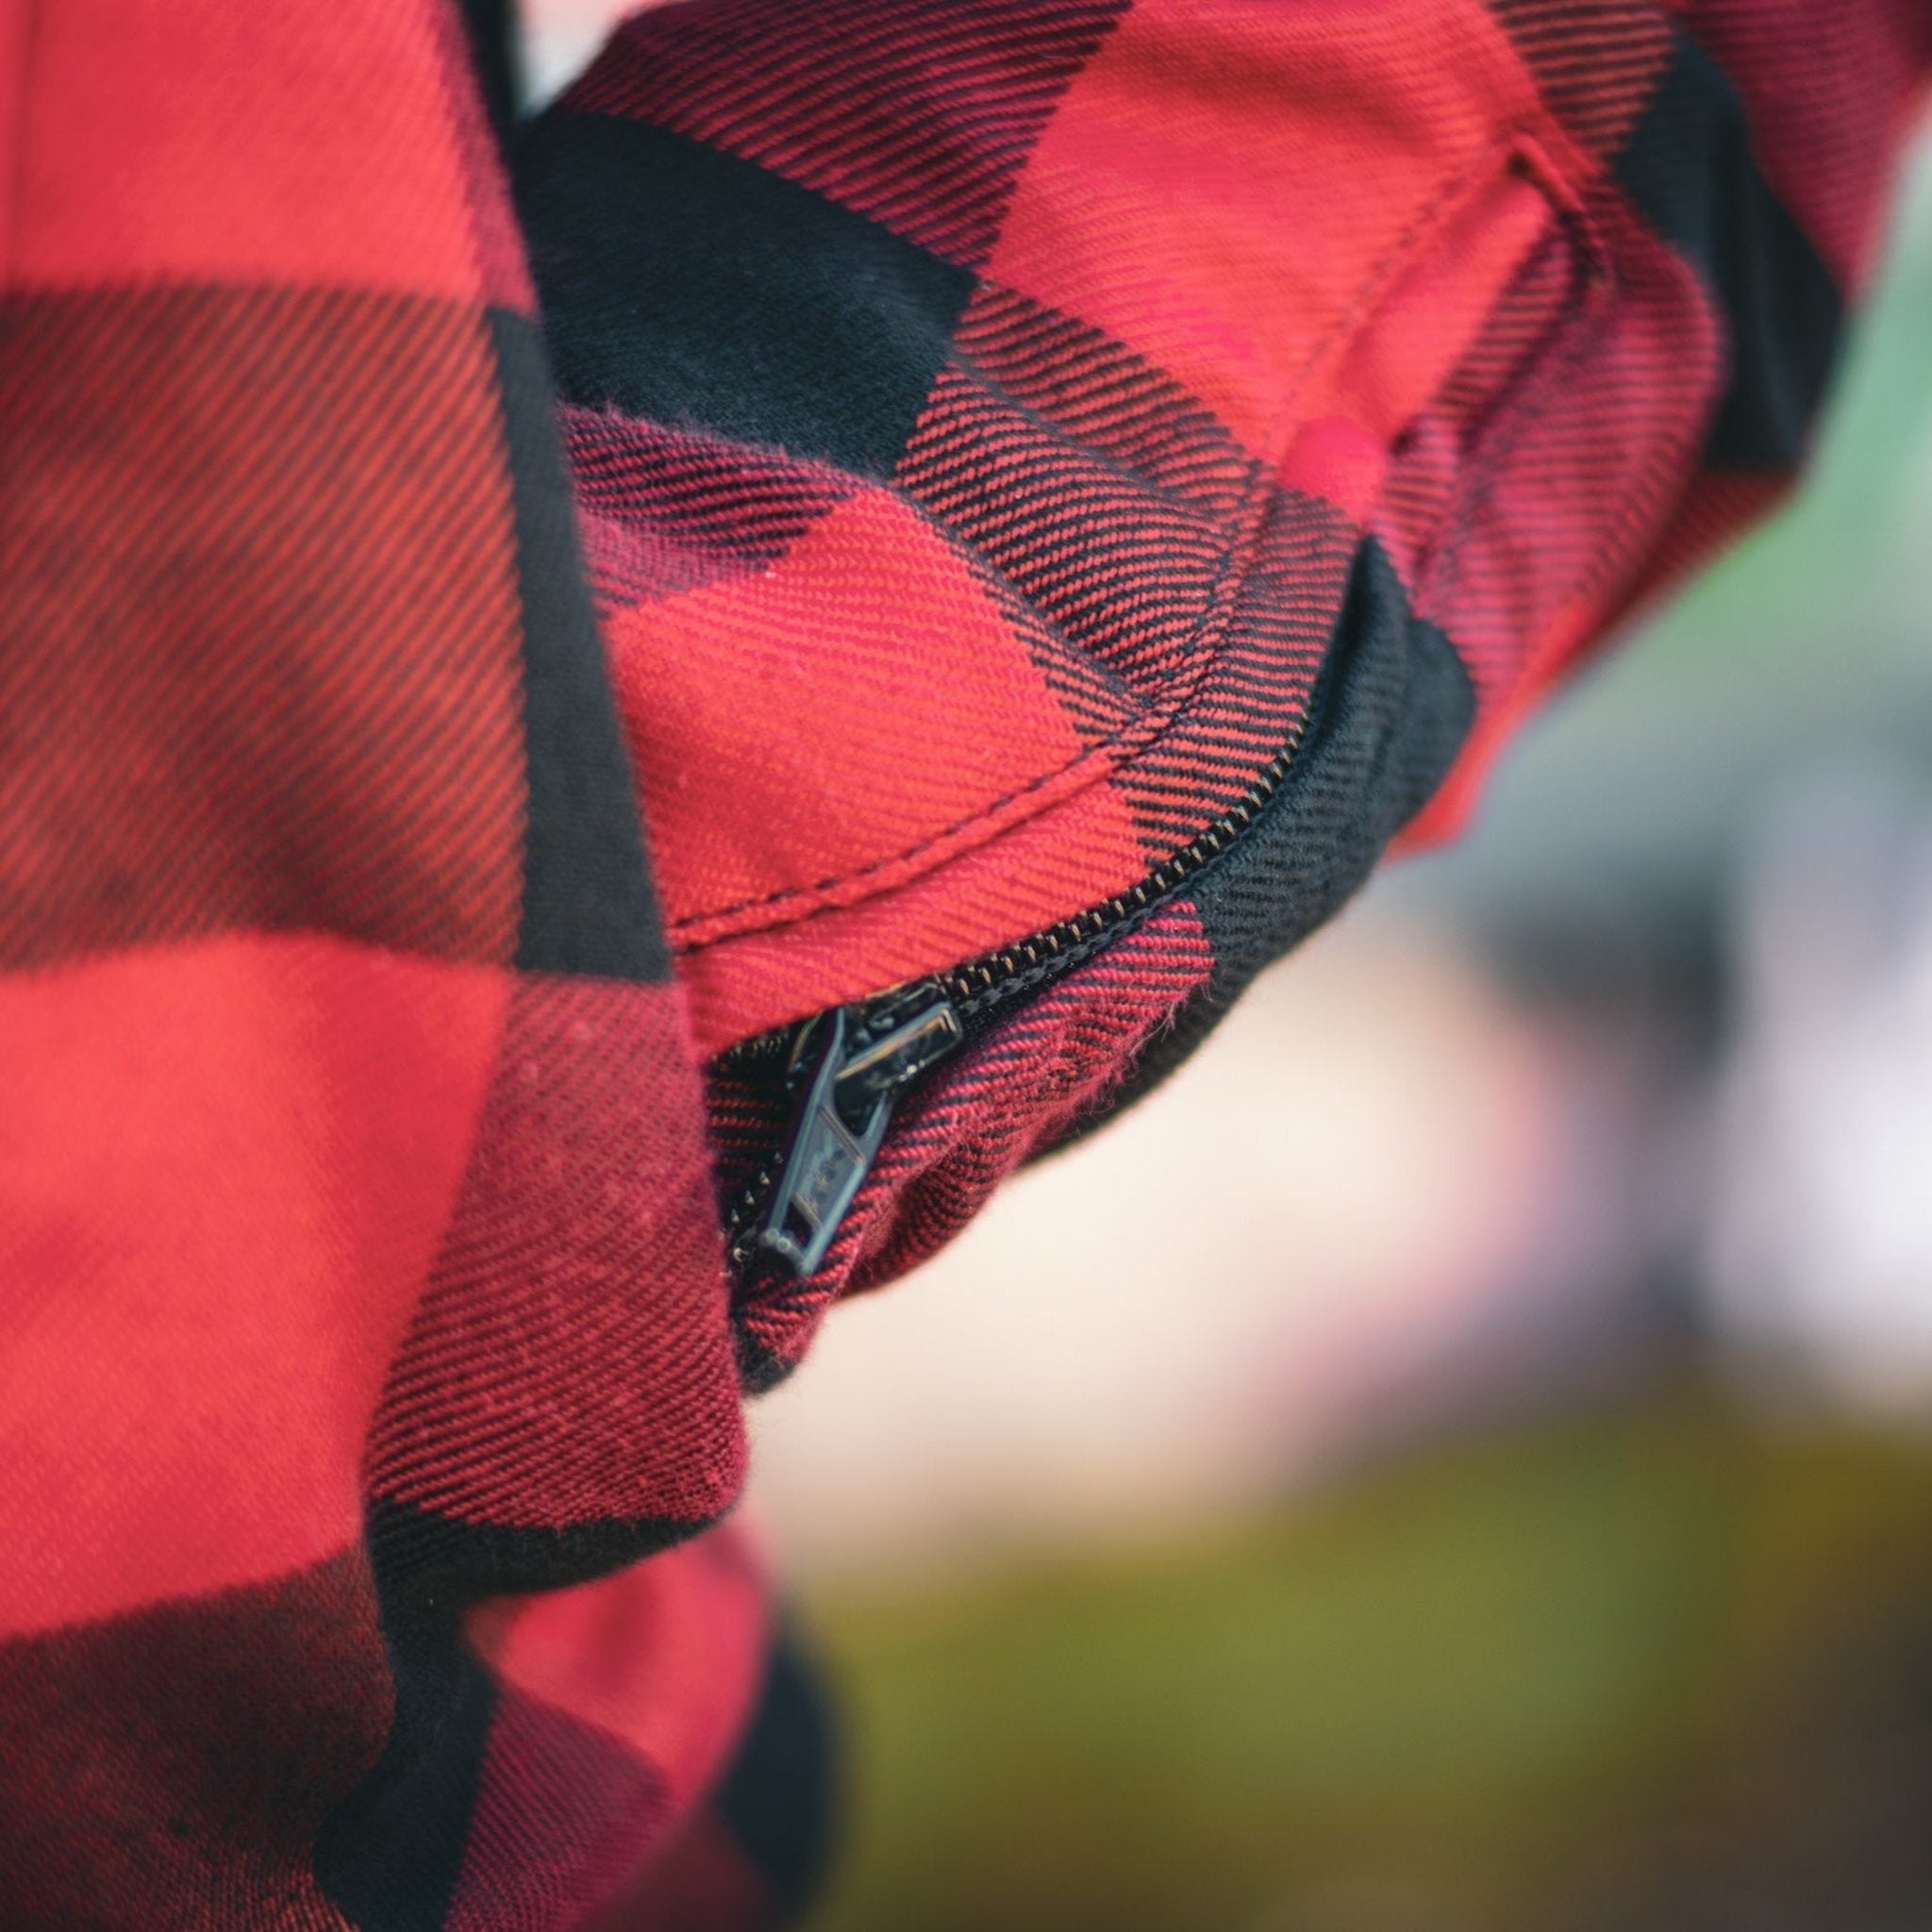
x=1102 y=469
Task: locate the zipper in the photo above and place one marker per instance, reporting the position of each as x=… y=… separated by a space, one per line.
x=846 y=1069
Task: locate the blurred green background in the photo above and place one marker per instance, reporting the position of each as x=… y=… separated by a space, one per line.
x=1652 y=1667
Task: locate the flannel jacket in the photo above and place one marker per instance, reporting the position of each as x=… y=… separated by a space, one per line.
x=1011 y=503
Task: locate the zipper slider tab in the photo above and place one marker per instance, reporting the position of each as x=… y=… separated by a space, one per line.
x=841 y=1120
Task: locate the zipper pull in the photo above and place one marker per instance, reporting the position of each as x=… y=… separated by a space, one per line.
x=859 y=1073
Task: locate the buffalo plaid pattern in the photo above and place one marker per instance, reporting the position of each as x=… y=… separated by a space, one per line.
x=983 y=438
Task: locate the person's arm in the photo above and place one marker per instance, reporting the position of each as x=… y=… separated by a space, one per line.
x=1088 y=472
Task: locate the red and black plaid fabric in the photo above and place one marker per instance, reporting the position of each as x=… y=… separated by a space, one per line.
x=997 y=433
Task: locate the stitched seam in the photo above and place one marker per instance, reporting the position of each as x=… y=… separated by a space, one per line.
x=1097 y=752
x=1236 y=560
x=1573 y=336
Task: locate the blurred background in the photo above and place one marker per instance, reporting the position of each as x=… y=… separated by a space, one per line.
x=1499 y=1494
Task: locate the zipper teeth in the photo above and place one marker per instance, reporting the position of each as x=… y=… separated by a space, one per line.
x=742 y=1217
x=996 y=977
